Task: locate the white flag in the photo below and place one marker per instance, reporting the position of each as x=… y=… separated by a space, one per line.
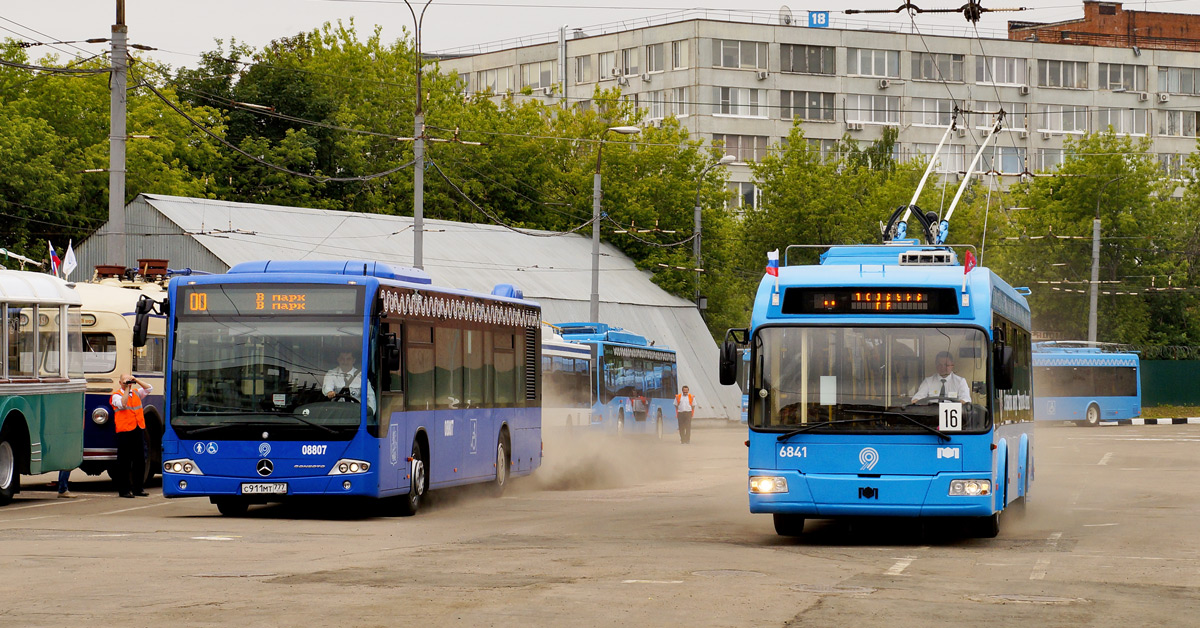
x=68 y=264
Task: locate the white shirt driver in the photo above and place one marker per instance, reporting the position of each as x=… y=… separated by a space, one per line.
x=957 y=388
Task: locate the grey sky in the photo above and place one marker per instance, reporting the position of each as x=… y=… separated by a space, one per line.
x=182 y=29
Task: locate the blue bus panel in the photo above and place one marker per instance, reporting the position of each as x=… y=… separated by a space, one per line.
x=1085 y=382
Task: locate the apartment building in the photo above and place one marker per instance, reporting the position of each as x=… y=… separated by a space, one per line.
x=743 y=84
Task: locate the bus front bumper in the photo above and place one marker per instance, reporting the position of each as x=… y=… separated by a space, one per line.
x=268 y=489
x=838 y=495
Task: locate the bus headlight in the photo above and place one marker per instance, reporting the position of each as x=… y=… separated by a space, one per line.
x=348 y=467
x=768 y=484
x=182 y=466
x=100 y=416
x=970 y=488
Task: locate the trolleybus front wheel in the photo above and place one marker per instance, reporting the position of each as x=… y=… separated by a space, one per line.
x=788 y=525
x=417 y=482
x=988 y=527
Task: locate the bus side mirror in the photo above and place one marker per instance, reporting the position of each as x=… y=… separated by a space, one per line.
x=730 y=356
x=391 y=353
x=1005 y=365
x=141 y=321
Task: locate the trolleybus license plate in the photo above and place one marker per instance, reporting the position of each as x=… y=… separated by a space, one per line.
x=261 y=488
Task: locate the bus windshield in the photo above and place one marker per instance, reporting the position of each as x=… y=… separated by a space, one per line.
x=235 y=378
x=867 y=379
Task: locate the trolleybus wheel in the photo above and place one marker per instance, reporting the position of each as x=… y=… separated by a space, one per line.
x=989 y=526
x=788 y=525
x=658 y=426
x=1093 y=415
x=10 y=478
x=416 y=484
x=501 y=481
x=232 y=506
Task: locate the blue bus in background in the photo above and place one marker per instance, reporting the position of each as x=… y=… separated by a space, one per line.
x=444 y=387
x=1085 y=382
x=634 y=383
x=838 y=352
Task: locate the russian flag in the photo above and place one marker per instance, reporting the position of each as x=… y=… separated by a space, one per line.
x=54 y=261
x=773 y=263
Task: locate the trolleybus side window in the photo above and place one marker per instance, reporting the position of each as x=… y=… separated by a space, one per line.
x=150 y=358
x=506 y=368
x=419 y=367
x=100 y=352
x=473 y=372
x=448 y=367
x=48 y=343
x=22 y=341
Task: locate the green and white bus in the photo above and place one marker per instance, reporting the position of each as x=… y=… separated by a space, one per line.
x=41 y=378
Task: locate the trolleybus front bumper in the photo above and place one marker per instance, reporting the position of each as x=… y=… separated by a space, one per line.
x=844 y=495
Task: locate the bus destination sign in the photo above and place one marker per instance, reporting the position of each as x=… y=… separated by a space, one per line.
x=263 y=300
x=869 y=300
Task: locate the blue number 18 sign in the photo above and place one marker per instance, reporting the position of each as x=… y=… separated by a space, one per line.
x=818 y=19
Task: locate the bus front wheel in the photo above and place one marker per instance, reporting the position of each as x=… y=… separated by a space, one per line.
x=10 y=477
x=416 y=483
x=788 y=525
x=988 y=527
x=232 y=506
x=1093 y=415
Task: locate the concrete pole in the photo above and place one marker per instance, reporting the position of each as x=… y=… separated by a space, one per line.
x=594 y=312
x=1094 y=296
x=116 y=140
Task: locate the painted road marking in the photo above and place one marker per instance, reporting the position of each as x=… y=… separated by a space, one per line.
x=1039 y=570
x=652 y=582
x=115 y=512
x=1108 y=456
x=900 y=566
x=215 y=538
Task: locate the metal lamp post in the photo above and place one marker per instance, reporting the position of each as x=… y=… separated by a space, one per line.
x=418 y=147
x=1093 y=292
x=723 y=161
x=595 y=305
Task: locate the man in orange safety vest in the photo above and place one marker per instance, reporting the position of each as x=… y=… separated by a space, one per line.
x=130 y=425
x=685 y=405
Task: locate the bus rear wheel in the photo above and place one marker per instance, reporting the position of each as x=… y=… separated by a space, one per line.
x=502 y=464
x=1093 y=415
x=788 y=525
x=10 y=478
x=417 y=483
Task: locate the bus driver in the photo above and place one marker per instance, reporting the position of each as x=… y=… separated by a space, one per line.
x=344 y=381
x=944 y=385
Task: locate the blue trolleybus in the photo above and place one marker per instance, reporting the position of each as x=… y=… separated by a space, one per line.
x=289 y=379
x=846 y=417
x=1086 y=382
x=635 y=382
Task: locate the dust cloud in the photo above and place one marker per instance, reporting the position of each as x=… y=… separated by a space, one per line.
x=584 y=458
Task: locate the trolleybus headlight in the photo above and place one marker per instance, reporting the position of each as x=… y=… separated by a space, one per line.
x=768 y=484
x=99 y=416
x=970 y=488
x=182 y=465
x=347 y=466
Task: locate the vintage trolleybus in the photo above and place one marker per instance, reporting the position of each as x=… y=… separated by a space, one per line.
x=848 y=412
x=288 y=379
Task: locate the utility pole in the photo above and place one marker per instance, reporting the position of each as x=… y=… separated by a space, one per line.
x=116 y=140
x=1094 y=288
x=418 y=147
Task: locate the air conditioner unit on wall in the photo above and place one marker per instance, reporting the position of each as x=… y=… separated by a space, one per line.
x=1143 y=96
x=1164 y=97
x=1046 y=135
x=854 y=126
x=962 y=132
x=622 y=80
x=646 y=76
x=616 y=71
x=762 y=75
x=1024 y=89
x=885 y=83
x=1023 y=135
x=548 y=91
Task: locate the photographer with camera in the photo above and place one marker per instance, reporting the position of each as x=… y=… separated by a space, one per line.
x=130 y=425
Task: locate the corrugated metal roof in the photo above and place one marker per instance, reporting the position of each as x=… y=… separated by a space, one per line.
x=554 y=271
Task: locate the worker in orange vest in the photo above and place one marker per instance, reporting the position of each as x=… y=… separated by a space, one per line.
x=130 y=425
x=685 y=405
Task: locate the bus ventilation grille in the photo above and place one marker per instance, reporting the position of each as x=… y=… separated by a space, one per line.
x=532 y=335
x=927 y=258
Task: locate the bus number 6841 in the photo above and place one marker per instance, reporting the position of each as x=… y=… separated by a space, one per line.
x=793 y=451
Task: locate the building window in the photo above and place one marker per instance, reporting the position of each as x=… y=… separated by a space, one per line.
x=732 y=53
x=607 y=65
x=654 y=58
x=932 y=111
x=937 y=67
x=1123 y=121
x=535 y=75
x=1062 y=119
x=872 y=109
x=1001 y=70
x=868 y=62
x=952 y=159
x=1123 y=76
x=1179 y=80
x=736 y=101
x=583 y=69
x=495 y=81
x=745 y=196
x=629 y=61
x=1004 y=159
x=678 y=104
x=807 y=59
x=1178 y=123
x=743 y=147
x=806 y=105
x=655 y=103
x=1174 y=166
x=1015 y=115
x=1049 y=159
x=1071 y=74
x=679 y=54
x=829 y=149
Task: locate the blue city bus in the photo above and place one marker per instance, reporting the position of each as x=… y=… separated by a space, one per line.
x=449 y=379
x=1085 y=382
x=838 y=353
x=634 y=382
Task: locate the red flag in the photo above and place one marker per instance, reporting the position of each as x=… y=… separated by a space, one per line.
x=969 y=262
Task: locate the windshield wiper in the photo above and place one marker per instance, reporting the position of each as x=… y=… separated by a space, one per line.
x=914 y=421
x=225 y=424
x=813 y=426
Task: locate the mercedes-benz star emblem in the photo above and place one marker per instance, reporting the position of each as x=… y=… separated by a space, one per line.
x=265 y=467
